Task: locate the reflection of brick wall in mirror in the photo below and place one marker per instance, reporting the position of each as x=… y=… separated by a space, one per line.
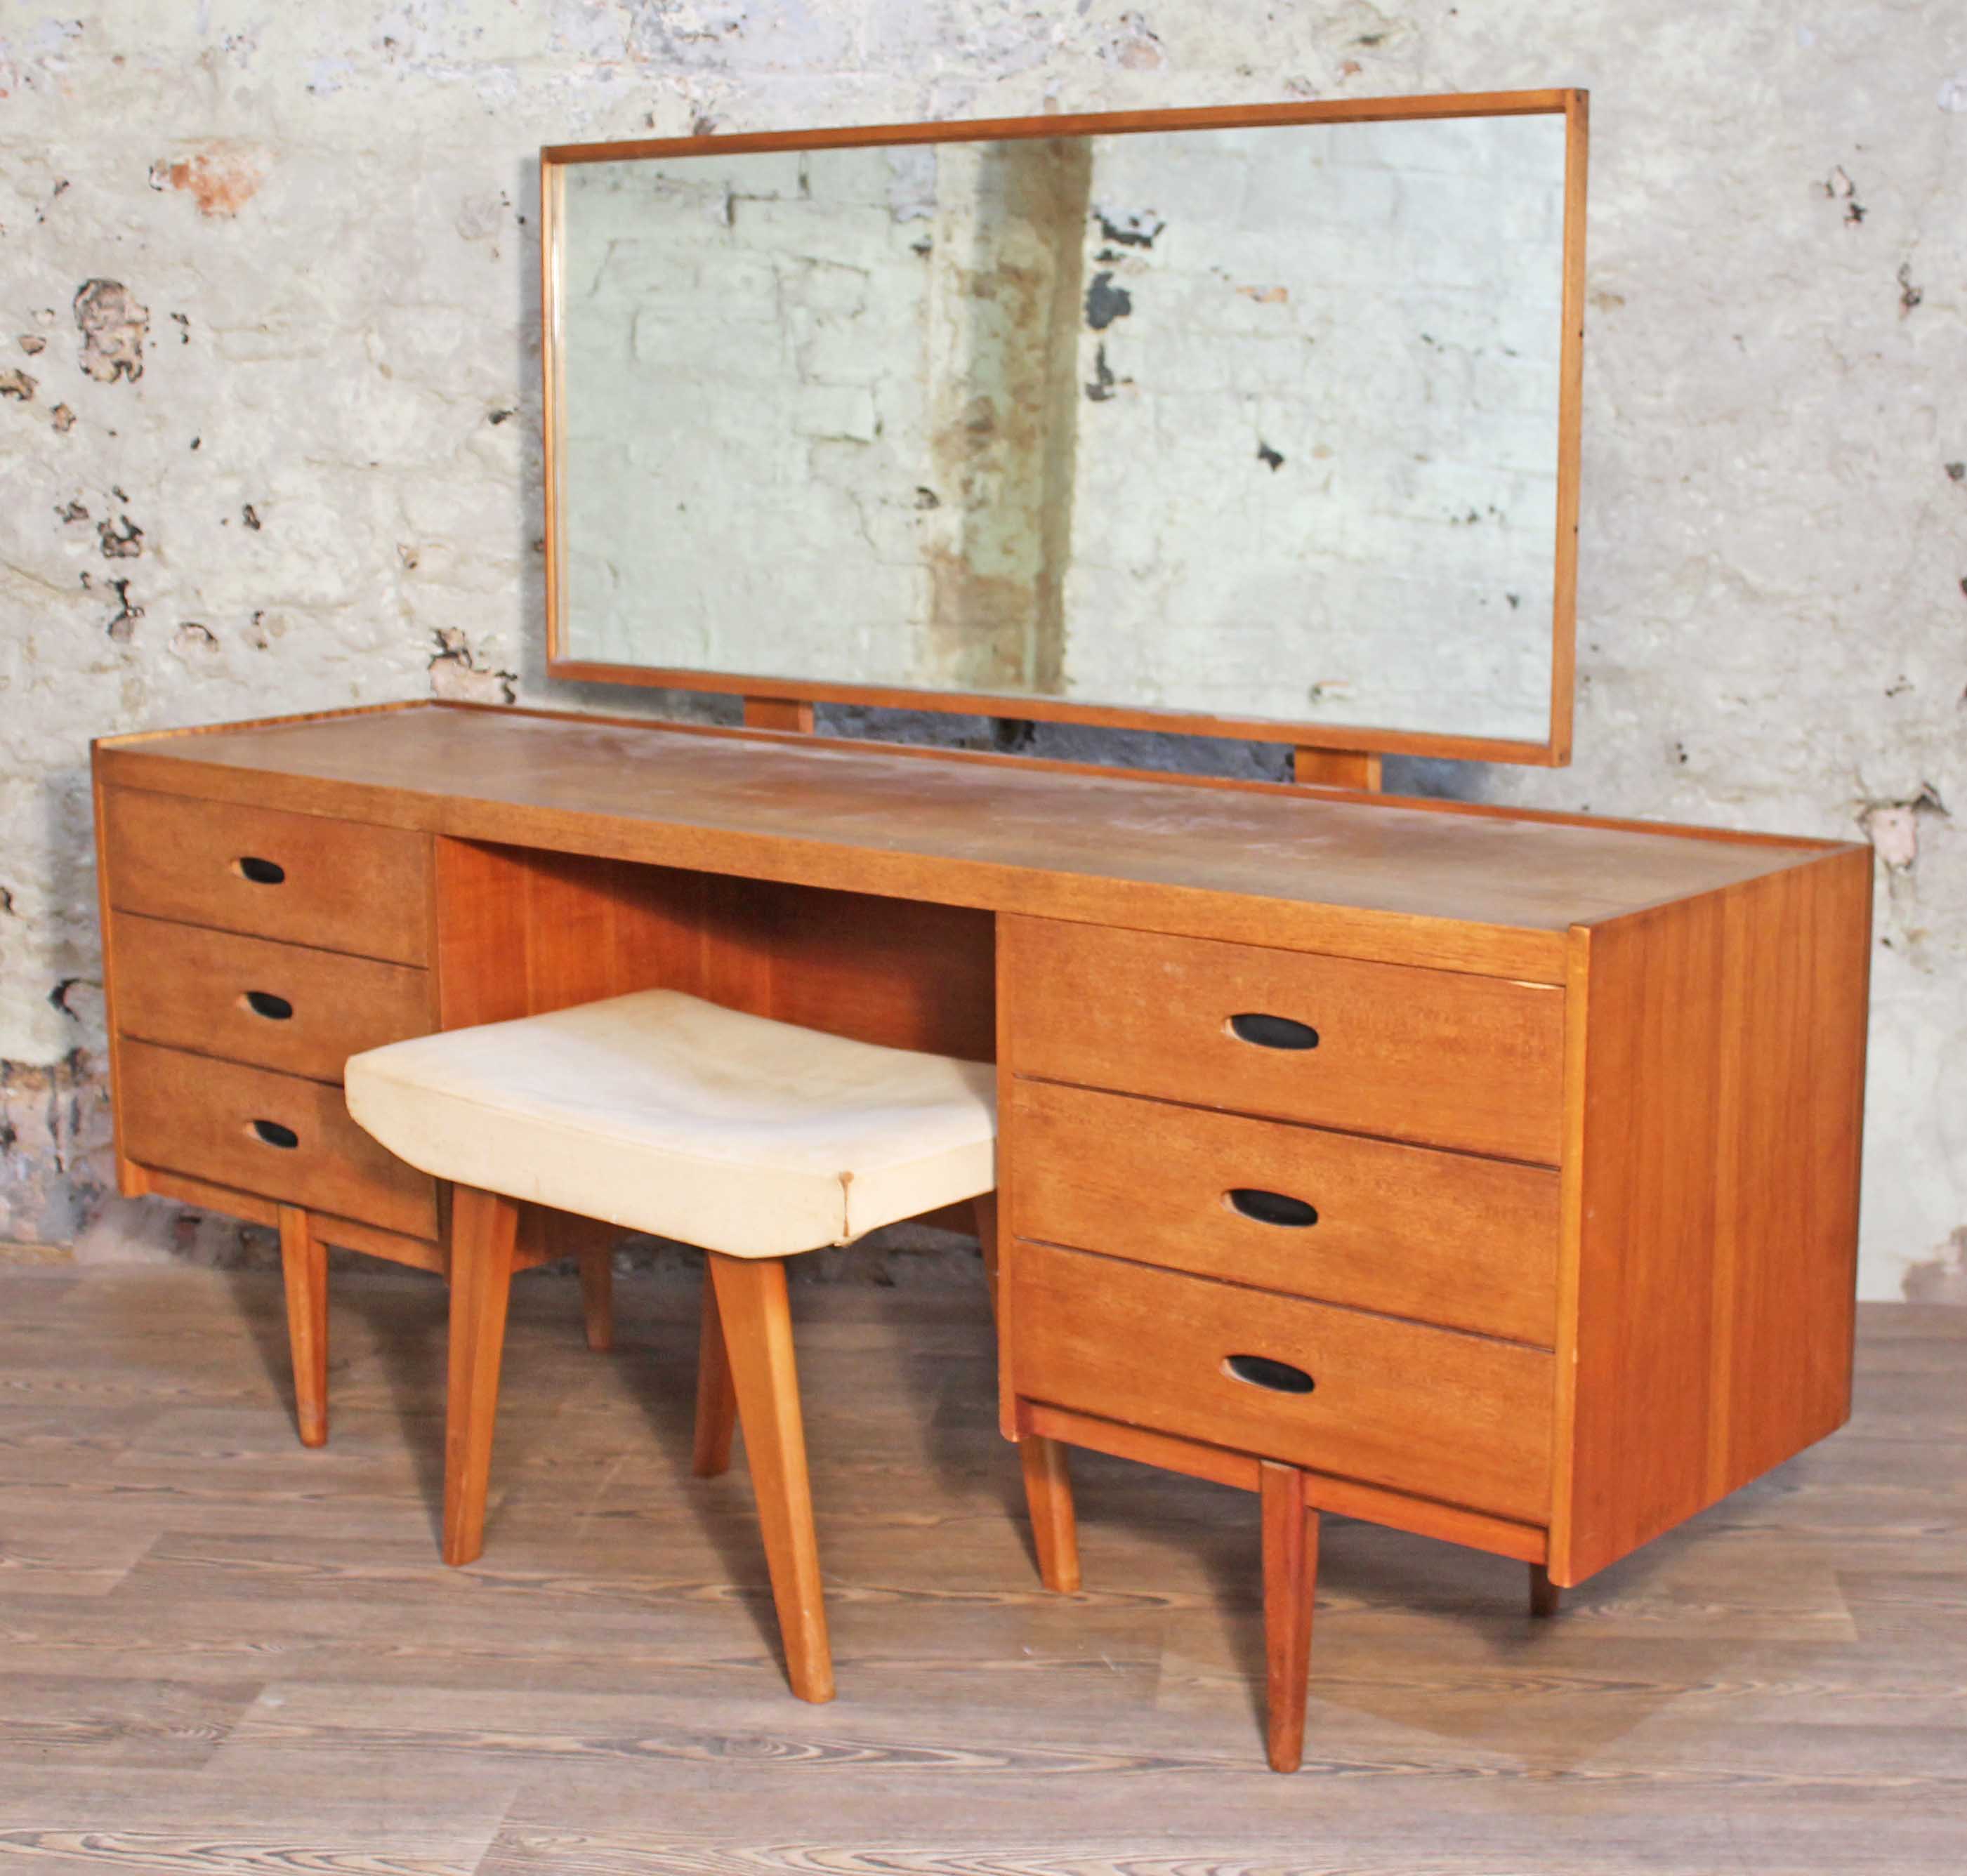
x=1252 y=422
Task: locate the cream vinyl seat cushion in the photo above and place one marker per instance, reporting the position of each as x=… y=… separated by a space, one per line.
x=660 y=1112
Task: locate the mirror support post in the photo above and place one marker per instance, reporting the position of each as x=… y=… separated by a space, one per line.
x=778 y=713
x=1336 y=768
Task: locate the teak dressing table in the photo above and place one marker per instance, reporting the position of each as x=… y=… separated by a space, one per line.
x=1580 y=1128
x=1489 y=1174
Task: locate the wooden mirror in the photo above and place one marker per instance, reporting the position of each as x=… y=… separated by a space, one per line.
x=1260 y=422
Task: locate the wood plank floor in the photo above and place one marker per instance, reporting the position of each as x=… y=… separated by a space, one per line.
x=220 y=1653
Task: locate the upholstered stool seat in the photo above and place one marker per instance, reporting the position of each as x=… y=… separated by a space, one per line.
x=663 y=1113
x=754 y=1139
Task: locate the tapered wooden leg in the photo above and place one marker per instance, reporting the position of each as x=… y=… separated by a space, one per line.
x=1290 y=1573
x=1545 y=1597
x=985 y=1205
x=483 y=1228
x=597 y=1296
x=304 y=1262
x=758 y=1338
x=716 y=1399
x=1049 y=1497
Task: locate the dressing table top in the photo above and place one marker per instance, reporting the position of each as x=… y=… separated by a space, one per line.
x=1487 y=890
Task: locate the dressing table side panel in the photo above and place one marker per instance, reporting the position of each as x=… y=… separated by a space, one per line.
x=1709 y=1273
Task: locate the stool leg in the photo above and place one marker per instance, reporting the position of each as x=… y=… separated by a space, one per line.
x=716 y=1399
x=1048 y=1497
x=758 y=1338
x=1291 y=1571
x=482 y=1228
x=1545 y=1597
x=597 y=1296
x=304 y=1264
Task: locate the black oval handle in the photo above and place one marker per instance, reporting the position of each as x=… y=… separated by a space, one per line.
x=260 y=872
x=265 y=1003
x=276 y=1136
x=1273 y=1032
x=1271 y=1207
x=1261 y=1371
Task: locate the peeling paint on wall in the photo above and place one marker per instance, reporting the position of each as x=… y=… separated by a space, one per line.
x=221 y=179
x=112 y=326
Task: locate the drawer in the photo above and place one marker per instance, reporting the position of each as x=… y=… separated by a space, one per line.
x=1442 y=1057
x=283 y=1006
x=1460 y=1419
x=337 y=885
x=1411 y=1231
x=191 y=1114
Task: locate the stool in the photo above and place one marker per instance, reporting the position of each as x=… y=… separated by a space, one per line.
x=753 y=1139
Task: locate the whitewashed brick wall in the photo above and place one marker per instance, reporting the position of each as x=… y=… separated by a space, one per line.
x=322 y=220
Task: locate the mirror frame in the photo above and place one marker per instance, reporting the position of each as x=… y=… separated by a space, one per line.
x=1553 y=751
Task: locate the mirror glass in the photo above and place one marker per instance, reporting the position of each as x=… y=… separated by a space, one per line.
x=1256 y=423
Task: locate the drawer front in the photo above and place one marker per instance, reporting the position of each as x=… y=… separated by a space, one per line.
x=336 y=884
x=283 y=1006
x=190 y=1114
x=1437 y=1057
x=1409 y=1231
x=1458 y=1418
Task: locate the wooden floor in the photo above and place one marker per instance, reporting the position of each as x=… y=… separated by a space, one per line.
x=221 y=1653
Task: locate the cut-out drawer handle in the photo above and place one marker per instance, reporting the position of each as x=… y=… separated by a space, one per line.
x=265 y=1003
x=1261 y=1371
x=1273 y=1032
x=1271 y=1207
x=260 y=872
x=274 y=1135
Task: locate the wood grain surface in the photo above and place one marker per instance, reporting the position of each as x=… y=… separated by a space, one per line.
x=1493 y=894
x=224 y=1654
x=1464 y=1419
x=1440 y=1058
x=1713 y=1238
x=334 y=884
x=189 y=988
x=1445 y=1237
x=194 y=1114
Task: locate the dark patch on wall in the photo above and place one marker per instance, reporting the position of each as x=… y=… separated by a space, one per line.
x=112 y=326
x=498 y=416
x=1012 y=735
x=1839 y=187
x=1138 y=230
x=124 y=625
x=64 y=418
x=927 y=498
x=1910 y=296
x=1104 y=383
x=1106 y=302
x=122 y=539
x=74 y=512
x=250 y=516
x=1271 y=459
x=1956 y=471
x=456 y=672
